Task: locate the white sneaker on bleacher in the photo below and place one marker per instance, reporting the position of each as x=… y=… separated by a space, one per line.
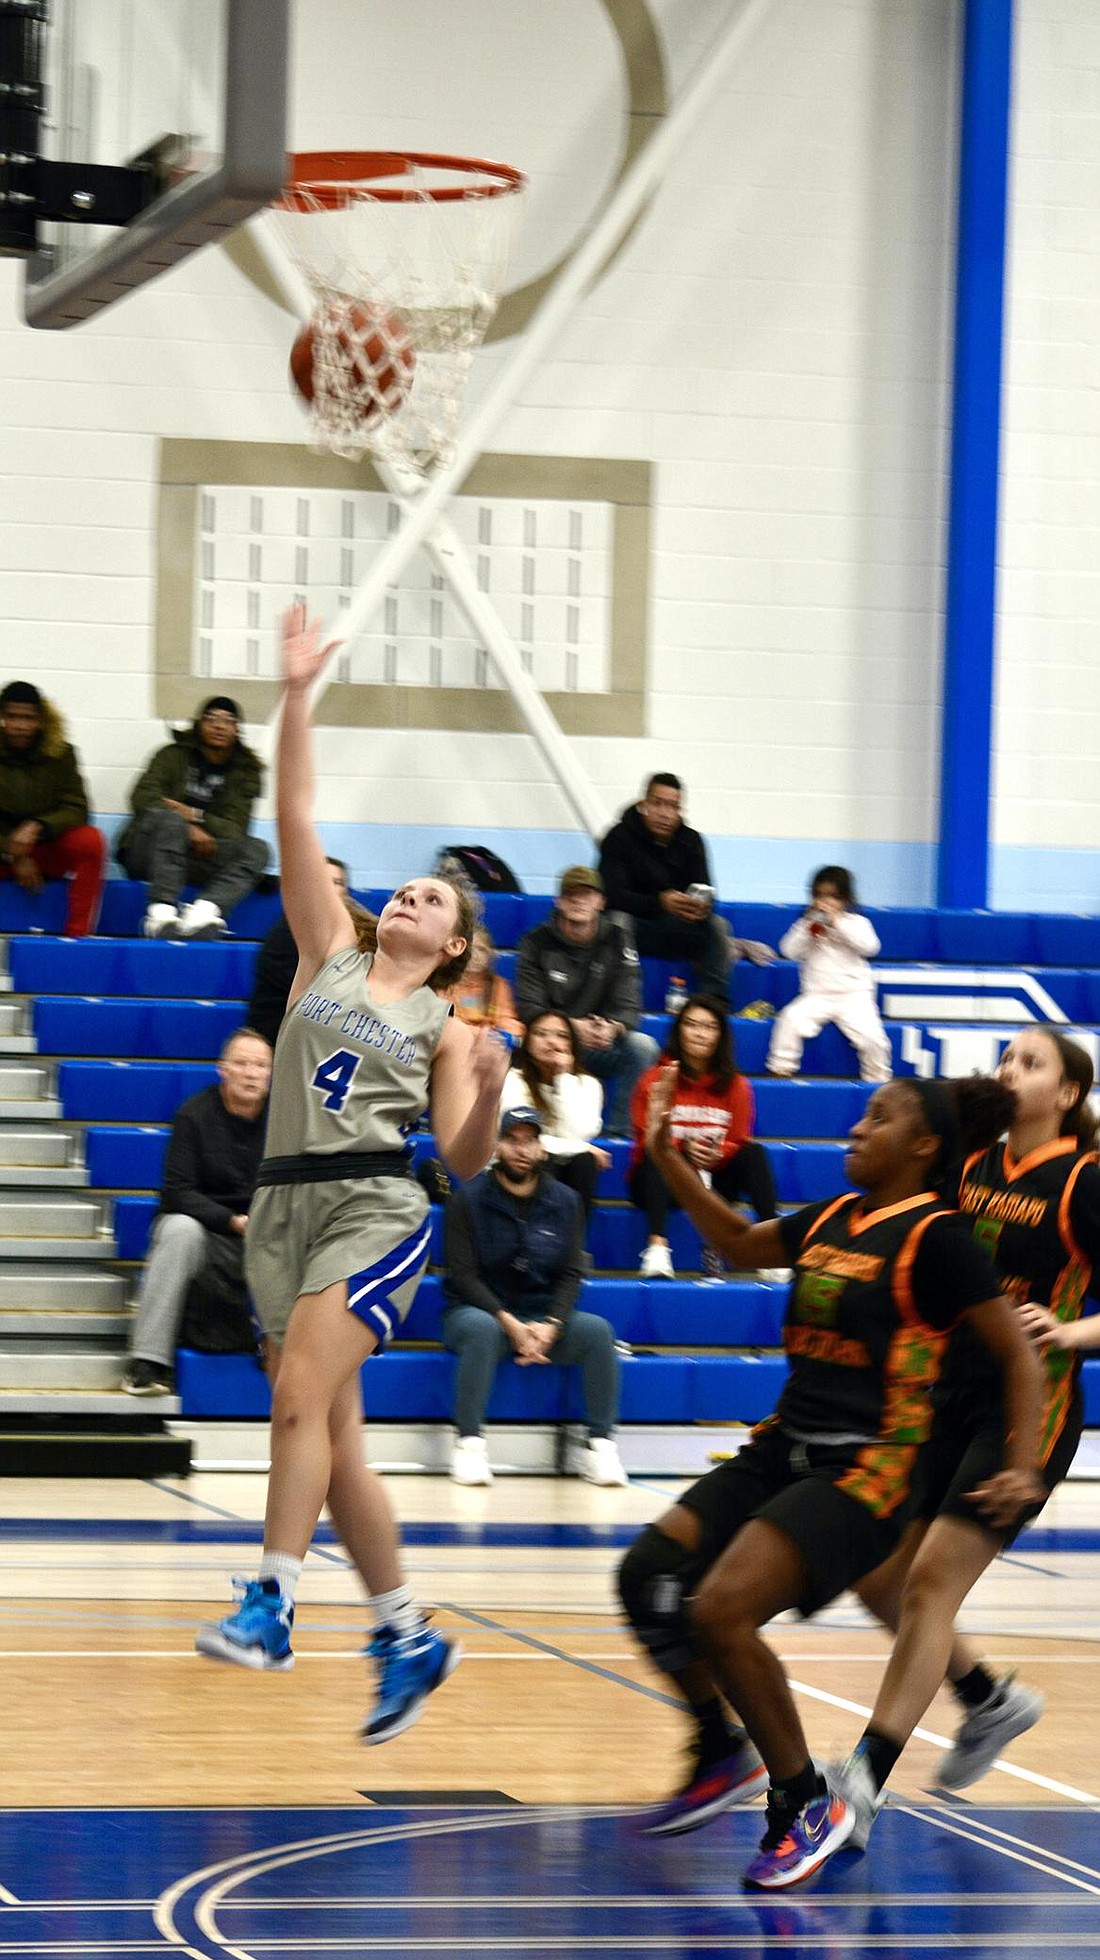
x=161 y=922
x=470 y=1462
x=657 y=1263
x=601 y=1463
x=201 y=920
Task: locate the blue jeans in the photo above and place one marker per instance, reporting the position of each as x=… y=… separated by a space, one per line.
x=624 y=1063
x=586 y=1341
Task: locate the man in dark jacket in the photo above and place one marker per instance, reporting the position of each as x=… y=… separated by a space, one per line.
x=192 y=806
x=44 y=828
x=210 y=1171
x=655 y=870
x=585 y=966
x=276 y=965
x=514 y=1267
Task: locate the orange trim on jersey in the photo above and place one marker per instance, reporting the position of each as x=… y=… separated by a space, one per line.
x=1044 y=1154
x=1065 y=1229
x=830 y=1211
x=862 y=1221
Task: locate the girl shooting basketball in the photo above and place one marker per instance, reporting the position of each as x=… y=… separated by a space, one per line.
x=338 y=1232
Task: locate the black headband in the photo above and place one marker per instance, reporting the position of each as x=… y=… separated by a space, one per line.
x=938 y=1107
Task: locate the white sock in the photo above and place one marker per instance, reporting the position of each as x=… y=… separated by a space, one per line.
x=397 y=1609
x=286 y=1569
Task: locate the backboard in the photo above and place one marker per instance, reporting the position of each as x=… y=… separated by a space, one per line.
x=121 y=75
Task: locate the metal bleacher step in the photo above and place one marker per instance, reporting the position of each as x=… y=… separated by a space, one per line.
x=39 y=1214
x=38 y=1367
x=65 y=1327
x=24 y=1146
x=27 y=1090
x=63 y=1288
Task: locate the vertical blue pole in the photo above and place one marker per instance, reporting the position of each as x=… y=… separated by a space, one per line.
x=968 y=668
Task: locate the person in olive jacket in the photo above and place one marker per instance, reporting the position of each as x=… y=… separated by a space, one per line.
x=192 y=805
x=44 y=828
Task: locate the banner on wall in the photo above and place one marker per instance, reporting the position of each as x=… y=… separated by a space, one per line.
x=967 y=994
x=947 y=1050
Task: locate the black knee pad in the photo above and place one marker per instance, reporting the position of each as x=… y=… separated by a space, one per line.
x=655 y=1579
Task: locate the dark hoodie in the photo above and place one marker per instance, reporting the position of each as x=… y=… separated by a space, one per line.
x=42 y=782
x=235 y=784
x=602 y=977
x=635 y=867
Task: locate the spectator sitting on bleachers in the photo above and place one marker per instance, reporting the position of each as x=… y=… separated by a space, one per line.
x=44 y=828
x=832 y=942
x=712 y=1119
x=192 y=806
x=210 y=1171
x=655 y=870
x=586 y=966
x=483 y=998
x=546 y=1074
x=514 y=1268
x=276 y=965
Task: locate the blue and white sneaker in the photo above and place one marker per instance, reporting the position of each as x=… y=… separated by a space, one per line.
x=793 y=1848
x=409 y=1666
x=257 y=1634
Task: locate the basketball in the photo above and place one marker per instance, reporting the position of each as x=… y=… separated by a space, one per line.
x=370 y=357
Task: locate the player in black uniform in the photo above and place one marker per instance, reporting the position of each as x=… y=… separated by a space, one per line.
x=1033 y=1200
x=816 y=1497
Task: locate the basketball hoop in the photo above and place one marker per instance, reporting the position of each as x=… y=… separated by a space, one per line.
x=404 y=254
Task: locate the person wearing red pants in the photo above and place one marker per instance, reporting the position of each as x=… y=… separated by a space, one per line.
x=44 y=828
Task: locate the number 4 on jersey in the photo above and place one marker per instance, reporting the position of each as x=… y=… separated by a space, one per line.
x=334 y=1078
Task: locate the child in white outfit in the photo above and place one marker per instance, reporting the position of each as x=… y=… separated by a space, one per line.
x=833 y=944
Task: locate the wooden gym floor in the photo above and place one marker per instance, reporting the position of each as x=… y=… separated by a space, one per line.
x=109 y=1716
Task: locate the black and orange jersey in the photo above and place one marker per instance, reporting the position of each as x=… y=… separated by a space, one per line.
x=874 y=1299
x=1038 y=1218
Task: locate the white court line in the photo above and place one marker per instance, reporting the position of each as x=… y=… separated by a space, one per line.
x=944 y=1742
x=1057 y=1857
x=7 y=1898
x=947 y=1822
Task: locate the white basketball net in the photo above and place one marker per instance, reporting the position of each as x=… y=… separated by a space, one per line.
x=388 y=275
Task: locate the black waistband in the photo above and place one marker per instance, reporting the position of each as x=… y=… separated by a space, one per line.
x=334 y=1165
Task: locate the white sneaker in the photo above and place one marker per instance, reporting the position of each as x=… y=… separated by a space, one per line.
x=470 y=1462
x=201 y=920
x=601 y=1463
x=853 y=1781
x=657 y=1263
x=161 y=922
x=775 y=1275
x=1010 y=1711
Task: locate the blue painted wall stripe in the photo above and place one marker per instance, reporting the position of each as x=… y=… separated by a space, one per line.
x=967 y=723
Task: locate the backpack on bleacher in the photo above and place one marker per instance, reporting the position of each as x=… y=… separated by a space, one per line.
x=217 y=1316
x=478 y=866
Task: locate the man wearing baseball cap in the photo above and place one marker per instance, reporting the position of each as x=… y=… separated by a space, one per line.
x=192 y=806
x=580 y=964
x=513 y=1250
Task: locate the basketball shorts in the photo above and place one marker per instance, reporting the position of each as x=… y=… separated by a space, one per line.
x=794 y=1487
x=959 y=1455
x=372 y=1232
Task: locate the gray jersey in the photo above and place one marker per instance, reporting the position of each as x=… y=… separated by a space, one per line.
x=349 y=1075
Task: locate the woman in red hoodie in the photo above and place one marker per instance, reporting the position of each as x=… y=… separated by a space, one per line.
x=712 y=1119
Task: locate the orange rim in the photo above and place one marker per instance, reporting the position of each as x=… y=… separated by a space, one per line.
x=331 y=178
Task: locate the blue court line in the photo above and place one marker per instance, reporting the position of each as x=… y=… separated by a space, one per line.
x=192 y=1531
x=228 y=1530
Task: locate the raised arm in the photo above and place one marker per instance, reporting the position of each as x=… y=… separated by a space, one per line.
x=468 y=1074
x=744 y=1244
x=316 y=914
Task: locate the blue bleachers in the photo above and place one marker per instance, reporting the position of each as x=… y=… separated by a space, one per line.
x=169 y=1007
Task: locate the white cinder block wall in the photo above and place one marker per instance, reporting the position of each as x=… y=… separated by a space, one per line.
x=774 y=338
x=1047 y=789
